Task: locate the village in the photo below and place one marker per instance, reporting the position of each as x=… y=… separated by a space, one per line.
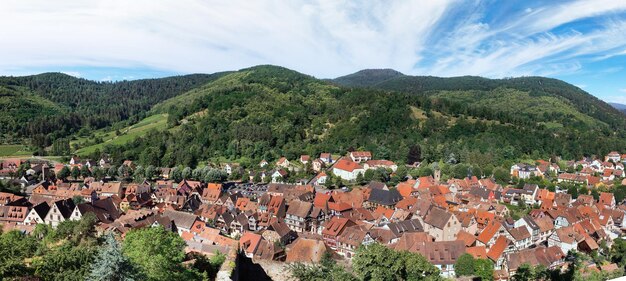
x=268 y=220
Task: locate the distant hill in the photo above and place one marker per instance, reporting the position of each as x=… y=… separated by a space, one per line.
x=49 y=106
x=619 y=106
x=368 y=77
x=265 y=112
x=538 y=99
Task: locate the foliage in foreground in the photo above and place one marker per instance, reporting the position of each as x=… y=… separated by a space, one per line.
x=73 y=252
x=375 y=262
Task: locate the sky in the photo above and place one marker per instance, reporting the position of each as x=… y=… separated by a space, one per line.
x=582 y=42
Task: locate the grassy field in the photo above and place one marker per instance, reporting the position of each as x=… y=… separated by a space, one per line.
x=14 y=150
x=158 y=122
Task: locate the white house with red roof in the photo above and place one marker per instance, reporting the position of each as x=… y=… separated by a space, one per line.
x=347 y=169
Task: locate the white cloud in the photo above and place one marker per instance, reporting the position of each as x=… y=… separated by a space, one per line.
x=621 y=99
x=623 y=90
x=320 y=37
x=325 y=38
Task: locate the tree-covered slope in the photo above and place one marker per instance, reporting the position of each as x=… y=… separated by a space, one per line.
x=619 y=106
x=368 y=77
x=533 y=87
x=86 y=104
x=266 y=112
x=18 y=105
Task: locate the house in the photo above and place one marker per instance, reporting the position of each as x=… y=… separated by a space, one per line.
x=491 y=232
x=525 y=171
x=304 y=159
x=298 y=215
x=572 y=178
x=441 y=224
x=13 y=214
x=497 y=251
x=441 y=254
x=105 y=211
x=347 y=169
x=351 y=239
x=529 y=192
x=360 y=156
x=384 y=164
x=184 y=221
x=614 y=156
x=333 y=229
x=319 y=179
x=531 y=226
x=306 y=251
x=407 y=226
x=60 y=211
x=317 y=165
x=565 y=238
x=607 y=199
x=522 y=238
x=279 y=176
x=37 y=214
x=550 y=257
x=107 y=189
x=248 y=243
x=228 y=168
x=327 y=158
x=283 y=163
x=382 y=197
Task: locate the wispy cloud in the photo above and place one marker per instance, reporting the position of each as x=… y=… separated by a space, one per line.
x=323 y=38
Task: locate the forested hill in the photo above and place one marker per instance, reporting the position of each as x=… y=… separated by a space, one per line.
x=476 y=93
x=49 y=106
x=265 y=112
x=619 y=106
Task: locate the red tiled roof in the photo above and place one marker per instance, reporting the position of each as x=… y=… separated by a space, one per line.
x=347 y=165
x=498 y=248
x=478 y=252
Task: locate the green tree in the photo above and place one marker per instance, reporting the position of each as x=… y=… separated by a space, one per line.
x=85 y=172
x=78 y=199
x=483 y=268
x=186 y=173
x=64 y=173
x=377 y=262
x=150 y=172
x=110 y=264
x=501 y=175
x=75 y=172
x=524 y=272
x=65 y=262
x=257 y=177
x=157 y=253
x=176 y=174
x=465 y=265
x=14 y=248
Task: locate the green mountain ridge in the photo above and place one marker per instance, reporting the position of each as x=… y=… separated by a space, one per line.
x=265 y=112
x=82 y=103
x=582 y=101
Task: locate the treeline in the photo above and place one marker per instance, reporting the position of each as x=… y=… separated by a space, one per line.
x=73 y=251
x=535 y=86
x=271 y=112
x=80 y=103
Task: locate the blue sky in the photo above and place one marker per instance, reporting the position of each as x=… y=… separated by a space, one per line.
x=581 y=42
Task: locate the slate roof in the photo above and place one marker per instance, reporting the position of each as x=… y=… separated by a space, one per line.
x=384 y=197
x=401 y=227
